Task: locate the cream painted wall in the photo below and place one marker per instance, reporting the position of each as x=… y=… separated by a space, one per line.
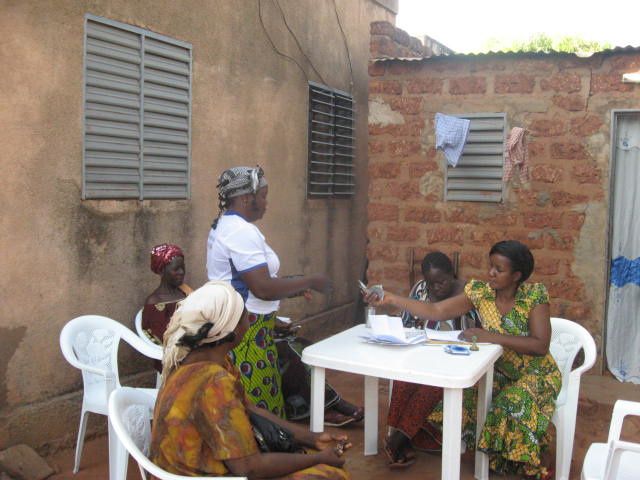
x=65 y=257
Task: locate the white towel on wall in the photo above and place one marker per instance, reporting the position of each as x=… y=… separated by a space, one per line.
x=451 y=136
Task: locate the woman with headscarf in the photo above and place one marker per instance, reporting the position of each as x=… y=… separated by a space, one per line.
x=238 y=252
x=201 y=423
x=526 y=382
x=411 y=403
x=167 y=260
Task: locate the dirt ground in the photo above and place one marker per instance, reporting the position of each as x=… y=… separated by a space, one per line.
x=597 y=396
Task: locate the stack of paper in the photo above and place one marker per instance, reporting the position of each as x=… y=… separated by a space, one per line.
x=452 y=336
x=387 y=330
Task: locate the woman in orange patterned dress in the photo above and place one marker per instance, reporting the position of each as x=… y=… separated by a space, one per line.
x=201 y=423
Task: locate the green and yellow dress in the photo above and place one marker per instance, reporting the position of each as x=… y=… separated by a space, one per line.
x=524 y=388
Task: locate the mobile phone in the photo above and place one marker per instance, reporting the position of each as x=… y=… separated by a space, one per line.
x=363 y=287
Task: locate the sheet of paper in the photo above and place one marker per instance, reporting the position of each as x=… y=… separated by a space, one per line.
x=443 y=335
x=386 y=329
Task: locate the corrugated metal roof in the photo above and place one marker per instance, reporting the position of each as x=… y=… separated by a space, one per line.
x=627 y=49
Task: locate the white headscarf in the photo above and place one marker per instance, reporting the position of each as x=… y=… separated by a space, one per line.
x=215 y=302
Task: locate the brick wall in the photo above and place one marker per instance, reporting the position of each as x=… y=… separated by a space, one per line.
x=565 y=103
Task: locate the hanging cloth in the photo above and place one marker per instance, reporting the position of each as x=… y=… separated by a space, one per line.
x=451 y=135
x=516 y=155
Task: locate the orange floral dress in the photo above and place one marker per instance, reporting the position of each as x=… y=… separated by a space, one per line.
x=200 y=421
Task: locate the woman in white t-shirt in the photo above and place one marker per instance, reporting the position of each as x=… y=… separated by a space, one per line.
x=237 y=252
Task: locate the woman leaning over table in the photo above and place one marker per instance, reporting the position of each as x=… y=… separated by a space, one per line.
x=237 y=252
x=201 y=420
x=527 y=381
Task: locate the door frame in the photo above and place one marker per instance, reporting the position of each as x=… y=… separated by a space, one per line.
x=615 y=114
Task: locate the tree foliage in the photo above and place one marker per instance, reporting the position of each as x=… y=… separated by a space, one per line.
x=542 y=42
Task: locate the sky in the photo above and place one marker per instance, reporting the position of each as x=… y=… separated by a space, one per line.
x=466 y=25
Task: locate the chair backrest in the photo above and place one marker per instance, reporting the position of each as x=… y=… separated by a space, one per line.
x=130 y=413
x=567 y=338
x=143 y=335
x=90 y=343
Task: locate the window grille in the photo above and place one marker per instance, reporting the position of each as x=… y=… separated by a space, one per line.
x=137 y=113
x=331 y=143
x=478 y=175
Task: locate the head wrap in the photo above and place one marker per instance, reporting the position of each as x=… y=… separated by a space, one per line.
x=216 y=303
x=161 y=256
x=238 y=181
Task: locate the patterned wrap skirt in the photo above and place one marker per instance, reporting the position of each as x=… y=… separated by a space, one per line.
x=256 y=357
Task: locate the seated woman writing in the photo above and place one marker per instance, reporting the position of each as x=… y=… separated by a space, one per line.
x=167 y=260
x=527 y=381
x=201 y=421
x=412 y=403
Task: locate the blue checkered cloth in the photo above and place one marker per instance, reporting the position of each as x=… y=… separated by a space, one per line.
x=451 y=135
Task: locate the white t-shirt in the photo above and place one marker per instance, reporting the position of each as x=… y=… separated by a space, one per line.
x=236 y=247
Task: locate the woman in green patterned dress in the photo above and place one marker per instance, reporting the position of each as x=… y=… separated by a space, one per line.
x=527 y=381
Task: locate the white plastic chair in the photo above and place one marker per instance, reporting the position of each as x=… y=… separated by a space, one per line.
x=616 y=459
x=567 y=338
x=90 y=343
x=143 y=335
x=130 y=411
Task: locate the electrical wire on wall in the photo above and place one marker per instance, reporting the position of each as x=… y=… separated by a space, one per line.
x=295 y=38
x=273 y=45
x=344 y=39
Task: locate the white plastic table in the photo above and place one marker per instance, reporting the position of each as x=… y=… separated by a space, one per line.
x=428 y=365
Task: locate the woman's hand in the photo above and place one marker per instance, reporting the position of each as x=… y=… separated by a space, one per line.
x=481 y=335
x=325 y=440
x=373 y=298
x=308 y=296
x=330 y=456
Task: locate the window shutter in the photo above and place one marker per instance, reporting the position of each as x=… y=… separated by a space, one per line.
x=331 y=143
x=478 y=176
x=137 y=113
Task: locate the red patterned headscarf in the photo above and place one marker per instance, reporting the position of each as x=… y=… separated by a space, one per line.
x=161 y=256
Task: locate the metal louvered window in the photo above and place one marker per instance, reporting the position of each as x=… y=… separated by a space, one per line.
x=331 y=143
x=478 y=176
x=137 y=113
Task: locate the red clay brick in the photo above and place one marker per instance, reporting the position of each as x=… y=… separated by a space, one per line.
x=446 y=234
x=389 y=87
x=383 y=212
x=376 y=147
x=572 y=103
x=547 y=128
x=532 y=239
x=625 y=62
x=424 y=85
x=475 y=260
x=562 y=82
x=403 y=148
x=388 y=253
x=609 y=82
x=561 y=241
x=578 y=312
x=418 y=169
x=403 y=234
x=564 y=199
x=547 y=266
x=407 y=105
x=546 y=173
x=501 y=219
x=542 y=220
x=401 y=67
x=467 y=85
x=382 y=28
x=536 y=149
x=569 y=151
x=585 y=126
x=462 y=215
x=574 y=220
x=398 y=273
x=376 y=233
x=382 y=46
x=486 y=238
x=586 y=173
x=514 y=83
x=411 y=128
x=377 y=69
x=422 y=215
x=384 y=169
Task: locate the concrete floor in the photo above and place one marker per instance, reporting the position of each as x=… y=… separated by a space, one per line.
x=597 y=396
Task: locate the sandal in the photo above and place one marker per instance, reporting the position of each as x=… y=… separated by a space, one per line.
x=395 y=462
x=346 y=408
x=333 y=418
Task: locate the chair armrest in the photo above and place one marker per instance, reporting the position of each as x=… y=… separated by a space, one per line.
x=616 y=449
x=621 y=445
x=89 y=368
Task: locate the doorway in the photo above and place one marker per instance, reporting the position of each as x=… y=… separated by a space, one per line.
x=623 y=305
